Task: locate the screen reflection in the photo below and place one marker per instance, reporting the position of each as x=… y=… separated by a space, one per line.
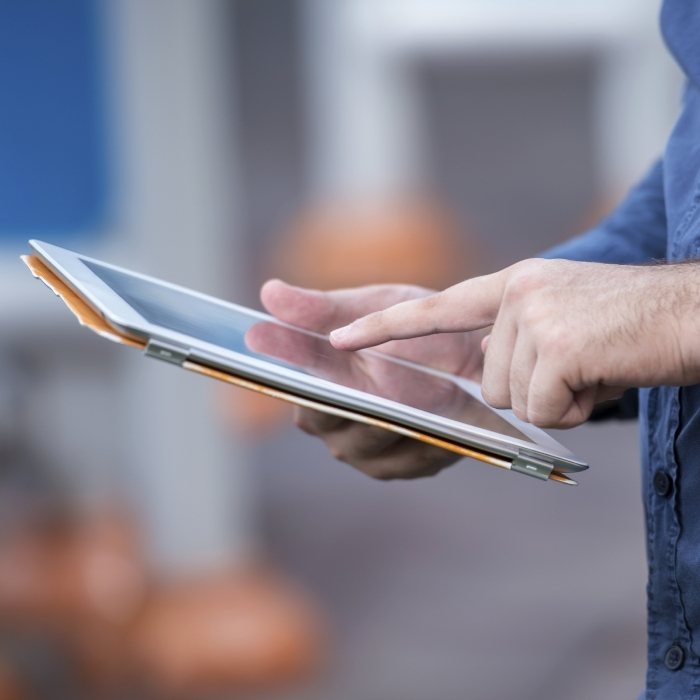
x=371 y=373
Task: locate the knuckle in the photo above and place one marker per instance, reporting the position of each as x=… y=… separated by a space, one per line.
x=375 y=320
x=528 y=265
x=557 y=342
x=432 y=301
x=524 y=281
x=521 y=285
x=428 y=304
x=534 y=315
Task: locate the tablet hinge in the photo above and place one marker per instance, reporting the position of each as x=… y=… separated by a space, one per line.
x=165 y=352
x=532 y=464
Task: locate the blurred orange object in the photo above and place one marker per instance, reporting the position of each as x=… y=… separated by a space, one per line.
x=85 y=585
x=339 y=245
x=238 y=630
x=334 y=245
x=81 y=581
x=59 y=570
x=10 y=686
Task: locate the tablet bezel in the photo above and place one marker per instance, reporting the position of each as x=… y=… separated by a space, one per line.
x=118 y=313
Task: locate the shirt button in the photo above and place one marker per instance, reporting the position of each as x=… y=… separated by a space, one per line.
x=662 y=483
x=675 y=656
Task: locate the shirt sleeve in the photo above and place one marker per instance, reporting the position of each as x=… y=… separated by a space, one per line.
x=635 y=232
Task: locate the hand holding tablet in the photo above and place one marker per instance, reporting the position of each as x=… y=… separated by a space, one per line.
x=376 y=452
x=391 y=389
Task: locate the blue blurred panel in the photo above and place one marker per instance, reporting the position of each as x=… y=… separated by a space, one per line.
x=53 y=170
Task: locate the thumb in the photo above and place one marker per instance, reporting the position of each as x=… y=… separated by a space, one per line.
x=322 y=311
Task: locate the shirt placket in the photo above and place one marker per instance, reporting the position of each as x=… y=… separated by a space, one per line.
x=670 y=664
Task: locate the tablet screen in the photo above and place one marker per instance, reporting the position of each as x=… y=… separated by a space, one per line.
x=265 y=339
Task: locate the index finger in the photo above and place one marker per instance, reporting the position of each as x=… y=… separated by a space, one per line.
x=466 y=306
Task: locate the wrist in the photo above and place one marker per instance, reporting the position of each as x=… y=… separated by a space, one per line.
x=680 y=302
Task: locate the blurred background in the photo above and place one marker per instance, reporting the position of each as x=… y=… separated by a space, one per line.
x=164 y=536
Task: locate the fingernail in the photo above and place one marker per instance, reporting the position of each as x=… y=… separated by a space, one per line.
x=340 y=333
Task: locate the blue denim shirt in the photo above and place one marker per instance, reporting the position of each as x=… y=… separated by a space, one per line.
x=660 y=219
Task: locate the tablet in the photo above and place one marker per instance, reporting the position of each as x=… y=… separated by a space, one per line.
x=194 y=330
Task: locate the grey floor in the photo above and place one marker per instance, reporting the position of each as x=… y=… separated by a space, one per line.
x=476 y=584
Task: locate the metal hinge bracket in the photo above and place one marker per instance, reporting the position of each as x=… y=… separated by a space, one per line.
x=163 y=351
x=532 y=464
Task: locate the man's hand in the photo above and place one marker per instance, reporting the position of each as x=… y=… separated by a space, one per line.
x=374 y=451
x=565 y=334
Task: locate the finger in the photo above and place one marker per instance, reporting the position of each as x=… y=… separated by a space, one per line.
x=317 y=422
x=323 y=311
x=466 y=306
x=357 y=442
x=552 y=403
x=495 y=379
x=521 y=368
x=407 y=459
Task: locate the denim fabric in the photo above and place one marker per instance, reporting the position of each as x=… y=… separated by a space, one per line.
x=660 y=218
